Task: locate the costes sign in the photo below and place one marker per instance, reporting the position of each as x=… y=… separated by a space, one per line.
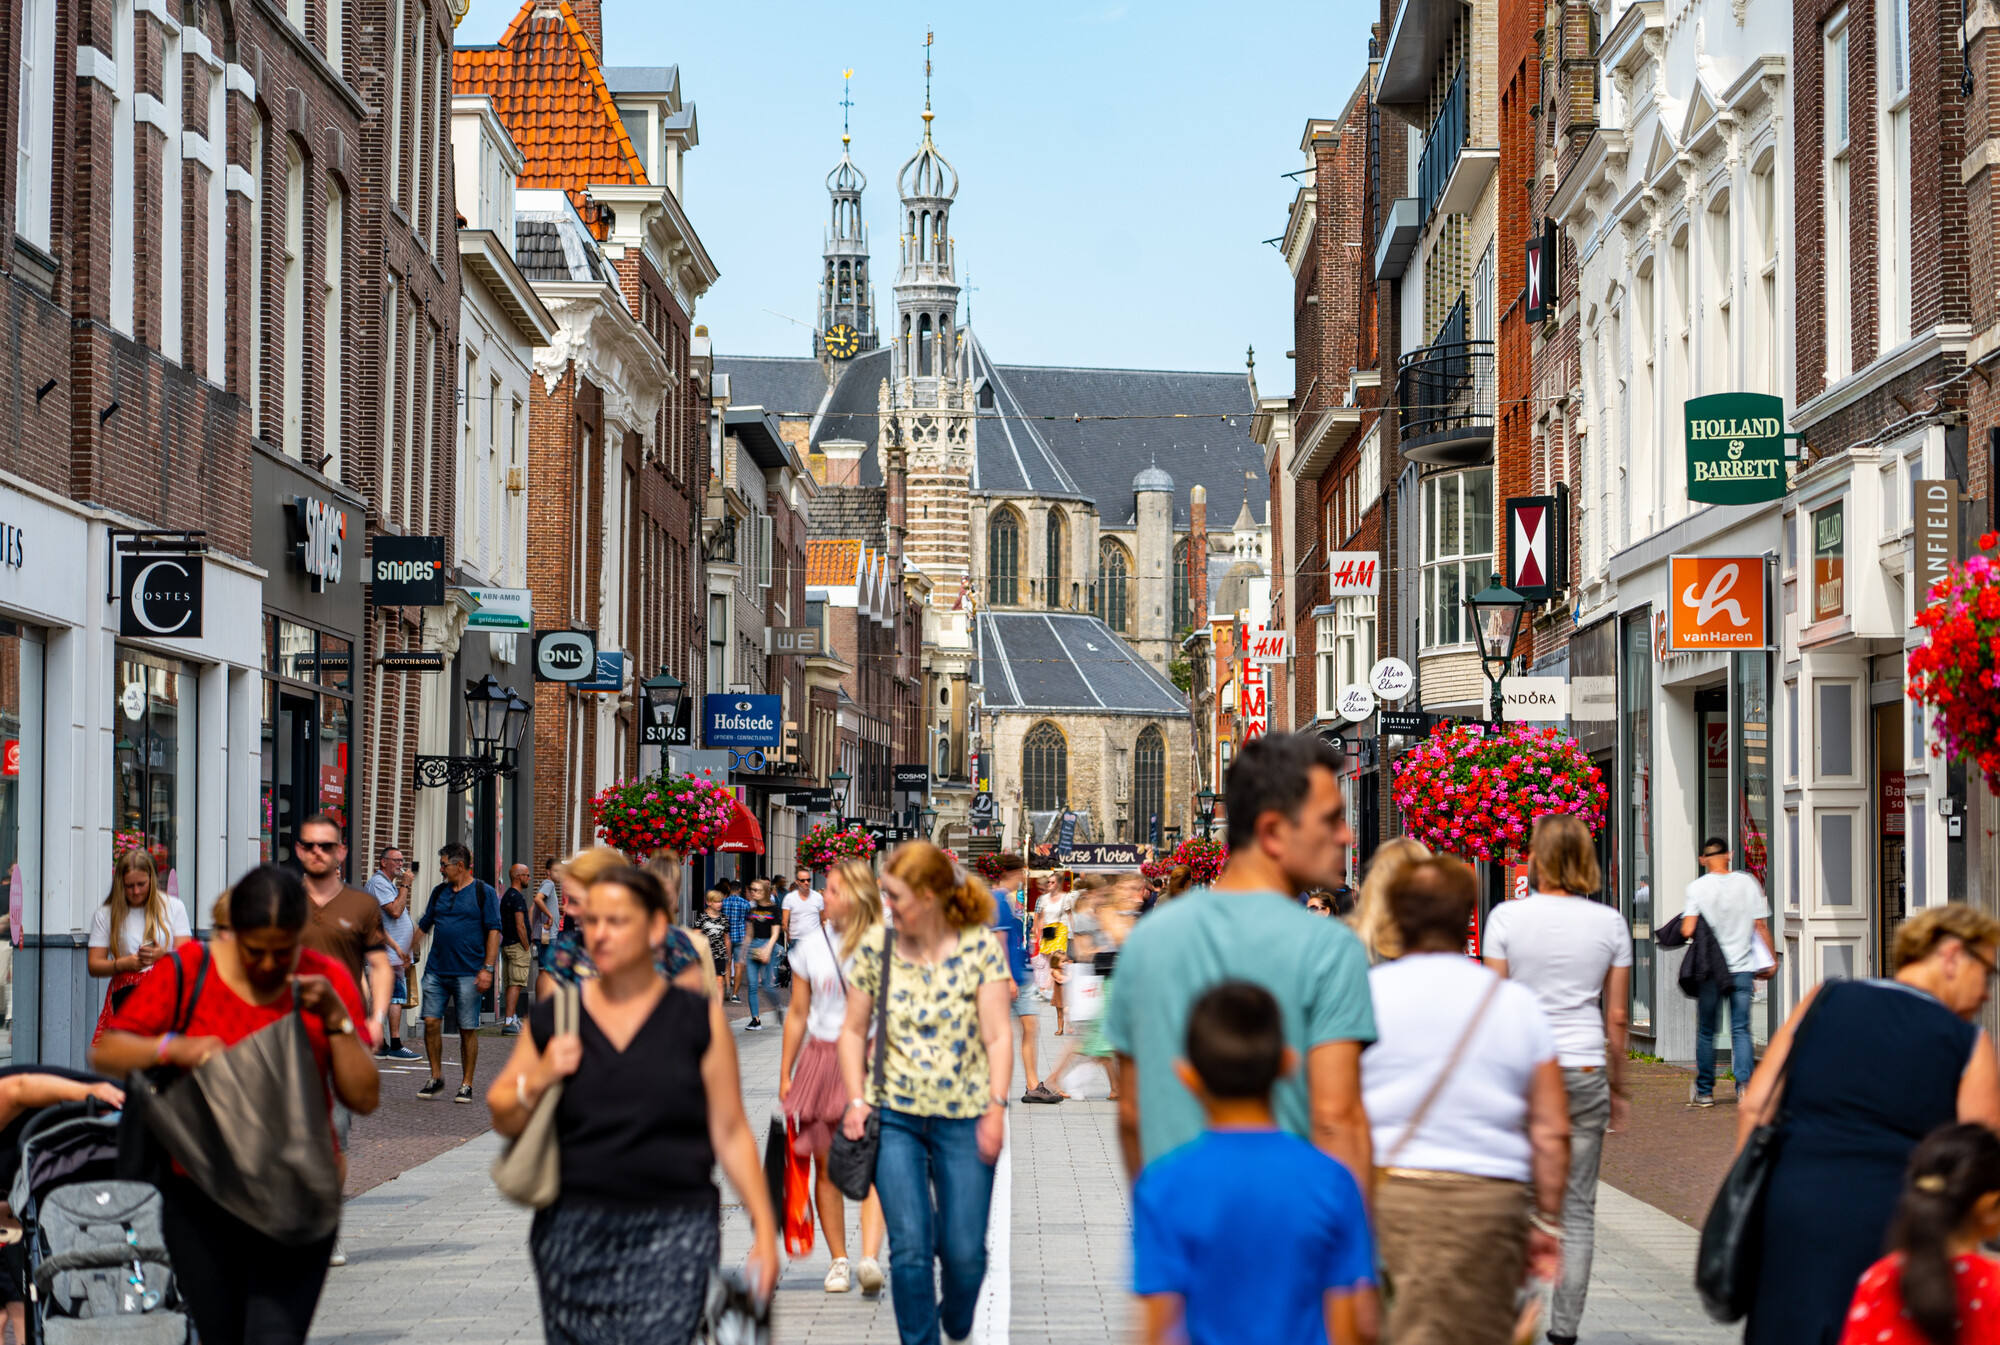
x=159 y=596
x=1735 y=448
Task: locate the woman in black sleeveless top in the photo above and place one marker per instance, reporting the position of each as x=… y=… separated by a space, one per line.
x=650 y=1103
x=1878 y=1065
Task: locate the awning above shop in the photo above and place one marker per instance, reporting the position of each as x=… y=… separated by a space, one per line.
x=743 y=835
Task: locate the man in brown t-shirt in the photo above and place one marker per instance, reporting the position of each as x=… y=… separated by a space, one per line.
x=345 y=922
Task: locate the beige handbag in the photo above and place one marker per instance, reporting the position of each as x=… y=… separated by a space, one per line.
x=529 y=1171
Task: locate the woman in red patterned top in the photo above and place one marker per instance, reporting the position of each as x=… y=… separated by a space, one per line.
x=1935 y=1287
x=239 y=1283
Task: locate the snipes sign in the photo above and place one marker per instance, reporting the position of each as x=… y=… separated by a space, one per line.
x=1735 y=448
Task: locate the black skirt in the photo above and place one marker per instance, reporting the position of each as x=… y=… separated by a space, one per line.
x=624 y=1277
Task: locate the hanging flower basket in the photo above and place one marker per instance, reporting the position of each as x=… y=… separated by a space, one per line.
x=683 y=813
x=988 y=867
x=1203 y=857
x=1475 y=790
x=1957 y=670
x=826 y=845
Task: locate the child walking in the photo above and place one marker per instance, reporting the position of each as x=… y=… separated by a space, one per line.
x=1935 y=1287
x=1247 y=1233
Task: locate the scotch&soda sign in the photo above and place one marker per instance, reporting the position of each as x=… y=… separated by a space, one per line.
x=1735 y=448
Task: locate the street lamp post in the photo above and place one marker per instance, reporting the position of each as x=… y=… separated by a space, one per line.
x=1495 y=613
x=928 y=815
x=840 y=781
x=495 y=718
x=1204 y=806
x=663 y=699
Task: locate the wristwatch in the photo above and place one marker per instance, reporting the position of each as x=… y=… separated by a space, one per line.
x=346 y=1029
x=488 y=968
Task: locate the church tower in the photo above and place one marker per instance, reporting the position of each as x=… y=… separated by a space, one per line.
x=846 y=299
x=926 y=404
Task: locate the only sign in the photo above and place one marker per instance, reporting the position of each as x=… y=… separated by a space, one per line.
x=1391 y=679
x=1356 y=703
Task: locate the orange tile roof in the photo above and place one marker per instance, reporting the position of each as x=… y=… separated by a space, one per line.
x=549 y=90
x=833 y=563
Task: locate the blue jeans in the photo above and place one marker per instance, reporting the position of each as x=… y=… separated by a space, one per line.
x=935 y=1191
x=764 y=972
x=1744 y=1055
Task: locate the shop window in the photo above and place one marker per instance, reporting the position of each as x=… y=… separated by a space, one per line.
x=1636 y=812
x=153 y=764
x=1354 y=620
x=20 y=803
x=1326 y=660
x=1750 y=763
x=1835 y=738
x=307 y=759
x=1829 y=563
x=1457 y=522
x=1836 y=859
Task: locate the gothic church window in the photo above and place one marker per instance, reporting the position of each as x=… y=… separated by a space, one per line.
x=1183 y=595
x=1053 y=559
x=1003 y=559
x=1113 y=570
x=1044 y=769
x=1149 y=784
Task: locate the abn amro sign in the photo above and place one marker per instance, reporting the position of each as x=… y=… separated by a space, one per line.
x=1735 y=448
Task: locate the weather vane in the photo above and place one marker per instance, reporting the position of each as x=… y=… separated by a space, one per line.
x=846 y=105
x=929 y=38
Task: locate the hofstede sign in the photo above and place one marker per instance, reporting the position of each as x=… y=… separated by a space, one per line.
x=1735 y=448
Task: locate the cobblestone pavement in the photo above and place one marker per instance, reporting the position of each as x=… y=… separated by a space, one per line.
x=1675 y=1156
x=436 y=1254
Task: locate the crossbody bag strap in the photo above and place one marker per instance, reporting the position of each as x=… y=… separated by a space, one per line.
x=835 y=955
x=1444 y=1075
x=186 y=1011
x=882 y=1013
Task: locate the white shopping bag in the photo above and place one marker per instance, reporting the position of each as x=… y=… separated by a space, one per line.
x=1761 y=959
x=1084 y=991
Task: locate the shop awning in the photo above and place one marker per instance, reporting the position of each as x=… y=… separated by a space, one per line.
x=743 y=835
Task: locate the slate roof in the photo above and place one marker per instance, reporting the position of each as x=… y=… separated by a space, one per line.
x=551 y=241
x=789 y=388
x=642 y=78
x=848 y=511
x=1012 y=454
x=547 y=87
x=1059 y=661
x=854 y=409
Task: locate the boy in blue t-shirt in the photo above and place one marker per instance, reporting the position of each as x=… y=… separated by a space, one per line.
x=1248 y=1233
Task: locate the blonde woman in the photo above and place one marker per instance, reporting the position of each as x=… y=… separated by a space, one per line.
x=809 y=1083
x=567 y=958
x=137 y=925
x=1371 y=919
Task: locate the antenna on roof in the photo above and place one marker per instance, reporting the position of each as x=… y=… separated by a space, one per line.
x=846 y=105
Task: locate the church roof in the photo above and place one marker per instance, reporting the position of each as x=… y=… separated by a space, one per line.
x=789 y=389
x=1066 y=661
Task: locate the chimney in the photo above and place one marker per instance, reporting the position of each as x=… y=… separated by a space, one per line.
x=1198 y=555
x=843 y=461
x=590 y=18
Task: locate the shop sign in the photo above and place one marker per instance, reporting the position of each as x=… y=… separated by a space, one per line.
x=813 y=800
x=609 y=674
x=913 y=778
x=680 y=731
x=1533 y=699
x=1352 y=574
x=1356 y=703
x=325 y=528
x=1541 y=298
x=1105 y=854
x=10 y=757
x=1406 y=723
x=1536 y=541
x=412 y=661
x=1735 y=448
x=501 y=609
x=792 y=639
x=1267 y=646
x=1936 y=543
x=1716 y=602
x=406 y=571
x=159 y=596
x=1066 y=833
x=1593 y=698
x=741 y=721
x=565 y=655
x=1893 y=801
x=1391 y=679
x=11 y=548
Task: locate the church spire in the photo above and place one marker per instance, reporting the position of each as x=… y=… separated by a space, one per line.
x=846 y=299
x=926 y=278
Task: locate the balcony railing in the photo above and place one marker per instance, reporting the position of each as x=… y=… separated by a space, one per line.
x=1443 y=145
x=1444 y=398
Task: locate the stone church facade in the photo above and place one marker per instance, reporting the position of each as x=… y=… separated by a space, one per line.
x=1047 y=510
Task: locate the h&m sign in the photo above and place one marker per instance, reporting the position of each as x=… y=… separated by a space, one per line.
x=1935 y=545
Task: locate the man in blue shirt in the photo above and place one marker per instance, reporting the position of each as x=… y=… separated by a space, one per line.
x=736 y=910
x=1013 y=931
x=462 y=919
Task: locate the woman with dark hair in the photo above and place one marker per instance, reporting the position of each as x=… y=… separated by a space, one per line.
x=650 y=1103
x=948 y=1062
x=1935 y=1287
x=1875 y=1067
x=239 y=1283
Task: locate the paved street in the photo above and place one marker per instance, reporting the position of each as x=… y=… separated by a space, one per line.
x=436 y=1253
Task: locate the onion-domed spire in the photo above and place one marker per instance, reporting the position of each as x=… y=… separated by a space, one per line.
x=846 y=300
x=927 y=279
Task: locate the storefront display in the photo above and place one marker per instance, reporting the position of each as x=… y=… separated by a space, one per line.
x=1636 y=837
x=155 y=710
x=307 y=732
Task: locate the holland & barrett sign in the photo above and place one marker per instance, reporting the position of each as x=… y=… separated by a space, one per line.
x=1735 y=448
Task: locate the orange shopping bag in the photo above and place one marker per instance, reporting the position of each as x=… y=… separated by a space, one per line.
x=798 y=1197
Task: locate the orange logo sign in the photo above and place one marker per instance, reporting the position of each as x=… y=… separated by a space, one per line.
x=1717 y=602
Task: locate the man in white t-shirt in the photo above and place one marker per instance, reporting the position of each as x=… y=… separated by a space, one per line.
x=1736 y=910
x=803 y=908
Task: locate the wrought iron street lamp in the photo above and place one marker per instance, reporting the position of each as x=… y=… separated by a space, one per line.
x=928 y=816
x=663 y=698
x=1495 y=613
x=840 y=781
x=1204 y=808
x=495 y=718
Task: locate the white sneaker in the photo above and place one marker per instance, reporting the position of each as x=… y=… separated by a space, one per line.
x=836 y=1277
x=339 y=1257
x=869 y=1271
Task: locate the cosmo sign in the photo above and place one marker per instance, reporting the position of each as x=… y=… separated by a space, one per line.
x=741 y=721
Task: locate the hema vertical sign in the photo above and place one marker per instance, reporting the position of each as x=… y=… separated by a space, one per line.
x=732 y=720
x=1936 y=543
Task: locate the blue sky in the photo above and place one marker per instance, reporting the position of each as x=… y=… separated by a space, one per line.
x=1119 y=164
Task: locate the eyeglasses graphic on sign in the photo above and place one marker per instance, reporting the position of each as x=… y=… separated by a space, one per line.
x=1716 y=602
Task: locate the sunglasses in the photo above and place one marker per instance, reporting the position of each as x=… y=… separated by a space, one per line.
x=316 y=845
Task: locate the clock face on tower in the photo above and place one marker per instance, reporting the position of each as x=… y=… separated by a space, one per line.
x=842 y=341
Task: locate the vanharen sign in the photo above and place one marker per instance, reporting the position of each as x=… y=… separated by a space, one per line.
x=1735 y=448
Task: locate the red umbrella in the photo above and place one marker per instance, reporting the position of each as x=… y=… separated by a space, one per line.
x=742 y=836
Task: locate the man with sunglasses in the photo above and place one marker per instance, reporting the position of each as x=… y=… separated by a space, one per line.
x=1736 y=910
x=345 y=923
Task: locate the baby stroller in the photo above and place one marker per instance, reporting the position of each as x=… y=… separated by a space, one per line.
x=95 y=1252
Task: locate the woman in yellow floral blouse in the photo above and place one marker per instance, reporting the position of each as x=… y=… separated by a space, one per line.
x=948 y=1063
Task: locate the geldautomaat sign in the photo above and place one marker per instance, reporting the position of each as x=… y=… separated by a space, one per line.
x=1735 y=448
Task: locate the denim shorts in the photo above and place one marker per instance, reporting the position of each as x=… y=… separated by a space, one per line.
x=438 y=988
x=401 y=993
x=1027 y=1003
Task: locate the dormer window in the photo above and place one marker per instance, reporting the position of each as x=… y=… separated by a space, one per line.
x=986 y=396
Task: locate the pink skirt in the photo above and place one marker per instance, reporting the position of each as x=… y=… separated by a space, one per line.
x=818 y=1098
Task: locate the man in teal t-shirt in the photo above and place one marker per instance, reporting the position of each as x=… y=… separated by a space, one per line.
x=1288 y=832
